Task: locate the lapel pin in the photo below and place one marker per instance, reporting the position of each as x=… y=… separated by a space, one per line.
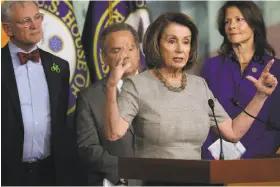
x=254 y=69
x=55 y=68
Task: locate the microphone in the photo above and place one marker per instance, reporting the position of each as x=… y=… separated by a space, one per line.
x=236 y=103
x=212 y=105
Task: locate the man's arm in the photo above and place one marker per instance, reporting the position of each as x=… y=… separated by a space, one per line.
x=94 y=157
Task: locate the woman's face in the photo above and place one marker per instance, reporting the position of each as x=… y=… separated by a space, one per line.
x=175 y=45
x=236 y=27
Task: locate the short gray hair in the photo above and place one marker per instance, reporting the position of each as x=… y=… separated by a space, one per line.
x=6 y=8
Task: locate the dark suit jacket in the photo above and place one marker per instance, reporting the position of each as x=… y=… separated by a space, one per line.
x=97 y=153
x=12 y=130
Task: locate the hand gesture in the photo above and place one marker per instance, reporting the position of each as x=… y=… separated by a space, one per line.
x=119 y=67
x=267 y=83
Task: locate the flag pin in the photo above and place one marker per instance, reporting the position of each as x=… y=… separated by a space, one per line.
x=254 y=69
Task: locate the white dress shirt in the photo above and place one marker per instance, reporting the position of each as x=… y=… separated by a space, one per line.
x=35 y=106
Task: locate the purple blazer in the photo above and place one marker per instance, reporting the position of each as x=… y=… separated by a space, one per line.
x=224 y=78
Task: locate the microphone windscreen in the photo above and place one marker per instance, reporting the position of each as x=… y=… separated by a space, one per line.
x=211 y=103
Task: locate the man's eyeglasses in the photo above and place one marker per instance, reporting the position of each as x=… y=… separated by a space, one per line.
x=26 y=22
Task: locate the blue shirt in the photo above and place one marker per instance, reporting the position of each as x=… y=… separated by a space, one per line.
x=35 y=106
x=224 y=78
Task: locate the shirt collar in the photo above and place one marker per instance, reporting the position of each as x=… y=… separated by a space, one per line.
x=232 y=56
x=14 y=50
x=120 y=83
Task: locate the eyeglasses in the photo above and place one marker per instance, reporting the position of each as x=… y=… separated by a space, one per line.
x=26 y=22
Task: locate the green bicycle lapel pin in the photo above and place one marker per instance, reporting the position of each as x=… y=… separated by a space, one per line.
x=55 y=68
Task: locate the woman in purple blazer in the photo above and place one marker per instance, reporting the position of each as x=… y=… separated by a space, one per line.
x=244 y=51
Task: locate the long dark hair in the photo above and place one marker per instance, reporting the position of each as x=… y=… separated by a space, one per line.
x=254 y=18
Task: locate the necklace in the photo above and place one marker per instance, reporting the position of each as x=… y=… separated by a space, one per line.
x=168 y=85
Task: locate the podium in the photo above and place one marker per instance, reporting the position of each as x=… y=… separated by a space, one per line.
x=200 y=171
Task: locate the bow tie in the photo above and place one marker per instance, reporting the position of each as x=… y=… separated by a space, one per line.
x=33 y=56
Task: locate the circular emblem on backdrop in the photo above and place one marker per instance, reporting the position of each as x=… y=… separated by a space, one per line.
x=61 y=38
x=55 y=44
x=57 y=39
x=139 y=19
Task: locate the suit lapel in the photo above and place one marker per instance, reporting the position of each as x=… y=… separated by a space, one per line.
x=9 y=80
x=52 y=80
x=104 y=88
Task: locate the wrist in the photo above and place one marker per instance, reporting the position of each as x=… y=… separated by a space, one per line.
x=260 y=97
x=112 y=84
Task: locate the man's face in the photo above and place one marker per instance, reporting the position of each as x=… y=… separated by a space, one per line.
x=115 y=43
x=25 y=24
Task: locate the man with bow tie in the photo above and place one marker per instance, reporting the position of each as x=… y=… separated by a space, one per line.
x=37 y=146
